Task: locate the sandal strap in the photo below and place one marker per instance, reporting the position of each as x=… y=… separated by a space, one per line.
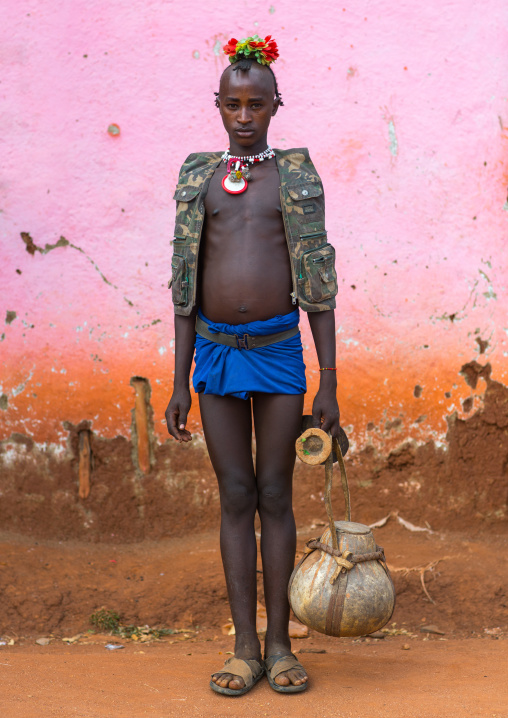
x=280 y=664
x=249 y=669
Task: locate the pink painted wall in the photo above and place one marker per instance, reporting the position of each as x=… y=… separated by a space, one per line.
x=403 y=107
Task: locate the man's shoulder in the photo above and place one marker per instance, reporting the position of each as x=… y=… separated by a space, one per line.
x=199 y=161
x=296 y=162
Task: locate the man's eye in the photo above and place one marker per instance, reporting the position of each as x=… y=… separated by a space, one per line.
x=257 y=105
x=231 y=106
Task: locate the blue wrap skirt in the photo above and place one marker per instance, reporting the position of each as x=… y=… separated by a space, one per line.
x=228 y=371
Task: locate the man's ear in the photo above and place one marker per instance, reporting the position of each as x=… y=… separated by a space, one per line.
x=276 y=105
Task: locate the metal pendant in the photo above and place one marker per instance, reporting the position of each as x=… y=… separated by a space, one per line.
x=234 y=187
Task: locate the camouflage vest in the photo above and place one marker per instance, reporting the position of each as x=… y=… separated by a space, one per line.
x=303 y=210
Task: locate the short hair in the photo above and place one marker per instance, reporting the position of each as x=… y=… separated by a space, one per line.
x=244 y=65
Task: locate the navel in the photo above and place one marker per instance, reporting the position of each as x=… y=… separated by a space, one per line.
x=216 y=211
x=242 y=309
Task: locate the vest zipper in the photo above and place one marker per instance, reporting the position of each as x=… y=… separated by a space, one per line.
x=312 y=235
x=314 y=249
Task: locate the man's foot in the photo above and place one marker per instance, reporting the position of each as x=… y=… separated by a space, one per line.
x=228 y=680
x=285 y=673
x=239 y=676
x=247 y=648
x=283 y=668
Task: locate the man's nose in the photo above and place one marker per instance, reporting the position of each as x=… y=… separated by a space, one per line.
x=244 y=116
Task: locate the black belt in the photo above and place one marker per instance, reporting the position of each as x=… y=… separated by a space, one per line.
x=243 y=341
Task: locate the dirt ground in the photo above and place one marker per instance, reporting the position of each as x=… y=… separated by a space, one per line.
x=438 y=679
x=453 y=581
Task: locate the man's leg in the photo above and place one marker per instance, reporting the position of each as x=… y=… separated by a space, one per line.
x=227 y=425
x=277 y=422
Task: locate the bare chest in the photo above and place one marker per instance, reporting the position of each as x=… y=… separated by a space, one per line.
x=258 y=206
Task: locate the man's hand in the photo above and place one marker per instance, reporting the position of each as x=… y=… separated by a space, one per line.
x=326 y=416
x=325 y=410
x=176 y=415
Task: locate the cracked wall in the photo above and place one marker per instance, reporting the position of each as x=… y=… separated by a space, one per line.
x=411 y=145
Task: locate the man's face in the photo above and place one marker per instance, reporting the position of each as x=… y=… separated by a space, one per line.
x=246 y=103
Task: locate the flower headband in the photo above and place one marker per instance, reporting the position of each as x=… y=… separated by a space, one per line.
x=252 y=48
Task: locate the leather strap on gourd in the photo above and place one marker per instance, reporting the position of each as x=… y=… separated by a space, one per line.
x=342 y=562
x=349 y=559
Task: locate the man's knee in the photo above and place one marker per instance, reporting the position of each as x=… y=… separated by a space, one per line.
x=275 y=499
x=236 y=498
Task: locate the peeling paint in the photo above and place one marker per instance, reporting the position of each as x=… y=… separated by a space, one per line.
x=32 y=248
x=394 y=145
x=21 y=387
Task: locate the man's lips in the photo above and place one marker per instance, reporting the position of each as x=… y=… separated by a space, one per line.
x=244 y=132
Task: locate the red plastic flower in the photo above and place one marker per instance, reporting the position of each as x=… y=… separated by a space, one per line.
x=270 y=51
x=230 y=48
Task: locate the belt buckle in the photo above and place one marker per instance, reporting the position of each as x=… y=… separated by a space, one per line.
x=242 y=342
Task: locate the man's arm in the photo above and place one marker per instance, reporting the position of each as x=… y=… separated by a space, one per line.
x=325 y=409
x=180 y=402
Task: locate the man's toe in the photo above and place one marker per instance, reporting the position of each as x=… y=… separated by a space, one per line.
x=227 y=680
x=236 y=684
x=282 y=679
x=297 y=676
x=223 y=680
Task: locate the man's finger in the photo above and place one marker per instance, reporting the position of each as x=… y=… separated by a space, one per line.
x=172 y=424
x=316 y=419
x=326 y=425
x=182 y=420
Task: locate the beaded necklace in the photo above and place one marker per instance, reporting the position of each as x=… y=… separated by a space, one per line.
x=238 y=170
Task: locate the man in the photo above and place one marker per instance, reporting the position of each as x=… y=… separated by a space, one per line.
x=250 y=249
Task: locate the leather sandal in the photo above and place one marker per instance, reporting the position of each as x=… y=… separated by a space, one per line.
x=279 y=664
x=250 y=670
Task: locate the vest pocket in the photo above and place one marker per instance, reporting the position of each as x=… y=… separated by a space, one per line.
x=317 y=273
x=179 y=279
x=186 y=193
x=304 y=191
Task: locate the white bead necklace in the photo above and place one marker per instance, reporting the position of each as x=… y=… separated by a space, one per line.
x=237 y=172
x=265 y=155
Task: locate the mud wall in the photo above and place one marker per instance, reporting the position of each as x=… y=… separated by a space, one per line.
x=96 y=489
x=404 y=111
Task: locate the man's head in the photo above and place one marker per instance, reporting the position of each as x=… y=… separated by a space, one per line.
x=248 y=95
x=248 y=98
